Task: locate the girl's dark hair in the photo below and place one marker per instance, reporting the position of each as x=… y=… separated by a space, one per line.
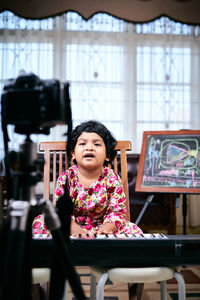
x=102 y=131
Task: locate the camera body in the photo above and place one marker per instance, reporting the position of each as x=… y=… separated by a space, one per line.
x=34 y=105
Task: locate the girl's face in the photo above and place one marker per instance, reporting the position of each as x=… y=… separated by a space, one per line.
x=90 y=151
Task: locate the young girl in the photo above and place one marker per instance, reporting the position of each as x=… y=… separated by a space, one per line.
x=96 y=190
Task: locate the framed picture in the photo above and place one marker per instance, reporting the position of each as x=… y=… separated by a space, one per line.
x=169 y=162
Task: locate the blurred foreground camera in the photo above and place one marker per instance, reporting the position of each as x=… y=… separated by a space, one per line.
x=34 y=105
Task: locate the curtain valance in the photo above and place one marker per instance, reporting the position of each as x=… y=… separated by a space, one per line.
x=137 y=11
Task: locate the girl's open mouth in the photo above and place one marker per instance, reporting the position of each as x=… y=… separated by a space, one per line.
x=89 y=156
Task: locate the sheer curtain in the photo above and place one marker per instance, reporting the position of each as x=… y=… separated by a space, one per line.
x=131 y=77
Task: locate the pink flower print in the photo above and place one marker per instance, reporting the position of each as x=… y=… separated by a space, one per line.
x=117 y=223
x=103 y=198
x=36 y=231
x=71 y=175
x=44 y=231
x=82 y=196
x=116 y=176
x=121 y=200
x=116 y=214
x=98 y=209
x=106 y=172
x=88 y=220
x=63 y=173
x=111 y=189
x=74 y=195
x=123 y=211
x=90 y=204
x=101 y=193
x=116 y=207
x=80 y=219
x=127 y=230
x=97 y=187
x=111 y=180
x=92 y=214
x=37 y=225
x=103 y=185
x=61 y=180
x=58 y=192
x=119 y=190
x=88 y=227
x=90 y=191
x=38 y=217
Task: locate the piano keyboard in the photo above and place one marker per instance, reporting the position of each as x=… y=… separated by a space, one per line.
x=122 y=250
x=107 y=236
x=119 y=236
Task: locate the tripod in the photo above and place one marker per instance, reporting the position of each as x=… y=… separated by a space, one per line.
x=16 y=235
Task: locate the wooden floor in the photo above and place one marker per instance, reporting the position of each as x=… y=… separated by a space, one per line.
x=151 y=291
x=189 y=230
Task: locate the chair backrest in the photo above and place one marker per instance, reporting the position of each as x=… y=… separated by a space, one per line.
x=56 y=160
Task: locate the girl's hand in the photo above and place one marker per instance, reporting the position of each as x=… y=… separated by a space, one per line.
x=76 y=229
x=108 y=228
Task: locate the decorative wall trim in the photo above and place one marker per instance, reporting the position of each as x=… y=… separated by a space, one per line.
x=137 y=11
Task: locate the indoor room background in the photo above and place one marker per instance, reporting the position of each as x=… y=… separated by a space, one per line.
x=132 y=76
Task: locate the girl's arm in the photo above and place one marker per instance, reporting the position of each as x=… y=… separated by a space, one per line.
x=60 y=186
x=116 y=210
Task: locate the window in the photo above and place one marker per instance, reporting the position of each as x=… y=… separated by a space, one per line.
x=130 y=77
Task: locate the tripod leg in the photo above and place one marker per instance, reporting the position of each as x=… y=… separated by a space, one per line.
x=4 y=230
x=66 y=265
x=16 y=271
x=57 y=282
x=62 y=254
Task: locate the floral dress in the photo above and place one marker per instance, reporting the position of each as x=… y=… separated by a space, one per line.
x=102 y=202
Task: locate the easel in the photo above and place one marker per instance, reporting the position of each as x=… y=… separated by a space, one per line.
x=184 y=212
x=147 y=203
x=150 y=199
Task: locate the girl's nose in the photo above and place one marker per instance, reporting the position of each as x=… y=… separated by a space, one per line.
x=89 y=147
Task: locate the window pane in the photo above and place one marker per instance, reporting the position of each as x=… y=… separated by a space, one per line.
x=29 y=57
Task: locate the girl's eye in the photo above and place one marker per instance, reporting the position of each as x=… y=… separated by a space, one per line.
x=82 y=144
x=96 y=144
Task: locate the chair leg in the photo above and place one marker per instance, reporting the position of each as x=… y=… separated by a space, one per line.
x=40 y=291
x=163 y=290
x=100 y=286
x=135 y=291
x=36 y=291
x=181 y=286
x=65 y=294
x=46 y=288
x=93 y=283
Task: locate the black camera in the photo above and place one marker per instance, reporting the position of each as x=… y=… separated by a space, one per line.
x=34 y=105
